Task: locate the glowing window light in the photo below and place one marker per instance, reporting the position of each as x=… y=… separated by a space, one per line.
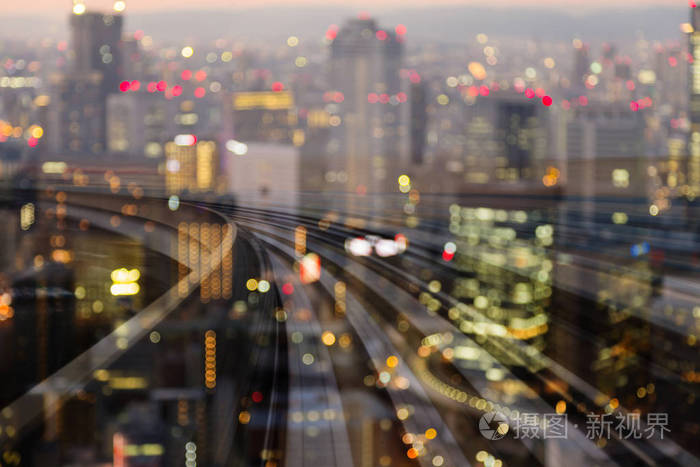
x=282 y=100
x=54 y=167
x=210 y=359
x=124 y=282
x=124 y=289
x=26 y=216
x=300 y=240
x=619 y=218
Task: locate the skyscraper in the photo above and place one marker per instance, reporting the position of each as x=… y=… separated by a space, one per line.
x=77 y=114
x=78 y=118
x=96 y=44
x=364 y=147
x=419 y=121
x=582 y=64
x=694 y=104
x=191 y=166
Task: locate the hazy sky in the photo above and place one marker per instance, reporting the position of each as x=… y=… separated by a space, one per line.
x=62 y=6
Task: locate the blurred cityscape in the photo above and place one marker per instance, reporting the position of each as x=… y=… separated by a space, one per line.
x=361 y=248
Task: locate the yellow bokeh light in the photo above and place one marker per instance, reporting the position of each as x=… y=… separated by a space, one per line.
x=477 y=70
x=79 y=9
x=187 y=52
x=119 y=6
x=293 y=41
x=430 y=433
x=561 y=407
x=328 y=338
x=402 y=413
x=404 y=180
x=125 y=276
x=251 y=284
x=392 y=361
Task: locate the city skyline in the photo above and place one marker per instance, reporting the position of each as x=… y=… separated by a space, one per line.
x=358 y=240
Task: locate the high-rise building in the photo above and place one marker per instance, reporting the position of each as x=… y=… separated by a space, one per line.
x=693 y=173
x=364 y=145
x=419 y=121
x=191 y=166
x=582 y=64
x=77 y=115
x=78 y=112
x=264 y=116
x=605 y=153
x=522 y=136
x=266 y=174
x=96 y=44
x=138 y=123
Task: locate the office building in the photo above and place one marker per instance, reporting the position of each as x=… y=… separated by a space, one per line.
x=365 y=117
x=191 y=166
x=693 y=172
x=96 y=46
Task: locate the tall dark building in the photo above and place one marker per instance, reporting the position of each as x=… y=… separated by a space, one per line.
x=582 y=63
x=694 y=104
x=521 y=129
x=96 y=43
x=77 y=119
x=364 y=68
x=419 y=121
x=78 y=116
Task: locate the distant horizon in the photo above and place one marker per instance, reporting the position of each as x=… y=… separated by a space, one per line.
x=51 y=7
